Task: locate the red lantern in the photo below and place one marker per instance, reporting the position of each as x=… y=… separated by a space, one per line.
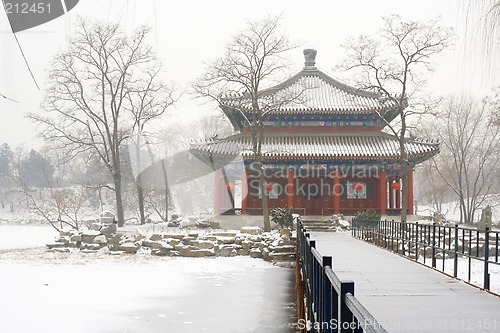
x=357 y=186
x=269 y=187
x=229 y=186
x=395 y=186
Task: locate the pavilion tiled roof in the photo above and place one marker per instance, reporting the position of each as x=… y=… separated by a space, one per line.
x=312 y=91
x=325 y=146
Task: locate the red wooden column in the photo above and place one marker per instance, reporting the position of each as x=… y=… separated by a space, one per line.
x=409 y=191
x=391 y=196
x=398 y=197
x=383 y=192
x=217 y=191
x=290 y=190
x=336 y=193
x=244 y=192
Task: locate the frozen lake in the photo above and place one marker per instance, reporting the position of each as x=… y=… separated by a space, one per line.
x=75 y=292
x=20 y=236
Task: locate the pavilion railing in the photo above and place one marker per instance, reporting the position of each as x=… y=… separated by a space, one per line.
x=329 y=302
x=437 y=246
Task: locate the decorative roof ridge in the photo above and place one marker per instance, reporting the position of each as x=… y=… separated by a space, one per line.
x=411 y=140
x=305 y=72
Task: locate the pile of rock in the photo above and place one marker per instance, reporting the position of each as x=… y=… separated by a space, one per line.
x=277 y=246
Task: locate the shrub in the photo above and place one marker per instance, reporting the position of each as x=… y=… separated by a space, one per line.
x=282 y=216
x=369 y=214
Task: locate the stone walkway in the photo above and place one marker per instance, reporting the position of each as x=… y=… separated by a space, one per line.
x=405 y=296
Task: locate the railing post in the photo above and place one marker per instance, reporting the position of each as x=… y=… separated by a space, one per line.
x=416 y=242
x=455 y=259
x=326 y=314
x=486 y=258
x=434 y=245
x=345 y=312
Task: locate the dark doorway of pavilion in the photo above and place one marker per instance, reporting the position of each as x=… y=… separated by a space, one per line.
x=313 y=195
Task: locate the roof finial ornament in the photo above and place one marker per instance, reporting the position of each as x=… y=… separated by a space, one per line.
x=310 y=57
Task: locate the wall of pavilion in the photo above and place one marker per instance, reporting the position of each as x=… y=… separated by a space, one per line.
x=322 y=154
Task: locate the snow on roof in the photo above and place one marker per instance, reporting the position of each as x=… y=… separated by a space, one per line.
x=321 y=146
x=312 y=91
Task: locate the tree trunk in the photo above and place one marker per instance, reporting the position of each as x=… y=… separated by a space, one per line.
x=265 y=202
x=117 y=178
x=140 y=200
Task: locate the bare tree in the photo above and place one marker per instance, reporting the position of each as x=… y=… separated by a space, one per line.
x=470 y=152
x=102 y=87
x=52 y=198
x=433 y=189
x=393 y=65
x=253 y=58
x=482 y=32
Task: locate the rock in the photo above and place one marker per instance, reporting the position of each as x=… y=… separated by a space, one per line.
x=89 y=235
x=282 y=256
x=197 y=253
x=247 y=245
x=285 y=232
x=155 y=237
x=65 y=233
x=116 y=252
x=109 y=229
x=101 y=239
x=282 y=249
x=214 y=224
x=61 y=249
x=88 y=251
x=255 y=253
x=173 y=242
x=174 y=224
x=164 y=246
x=175 y=254
x=204 y=244
x=225 y=240
x=93 y=247
x=228 y=251
x=255 y=238
x=251 y=230
x=240 y=238
x=76 y=238
x=160 y=252
x=266 y=254
x=203 y=224
x=186 y=223
x=189 y=240
x=151 y=244
x=183 y=247
x=143 y=250
x=224 y=234
x=55 y=245
x=129 y=247
x=104 y=250
x=106 y=217
x=174 y=236
x=175 y=216
x=193 y=234
x=243 y=252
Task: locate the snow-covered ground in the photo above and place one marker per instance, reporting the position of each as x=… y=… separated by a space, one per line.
x=451 y=210
x=476 y=273
x=75 y=292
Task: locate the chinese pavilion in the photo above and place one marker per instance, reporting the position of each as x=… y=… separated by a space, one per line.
x=323 y=151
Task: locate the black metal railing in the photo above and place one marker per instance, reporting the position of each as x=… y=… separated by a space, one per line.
x=330 y=304
x=437 y=246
